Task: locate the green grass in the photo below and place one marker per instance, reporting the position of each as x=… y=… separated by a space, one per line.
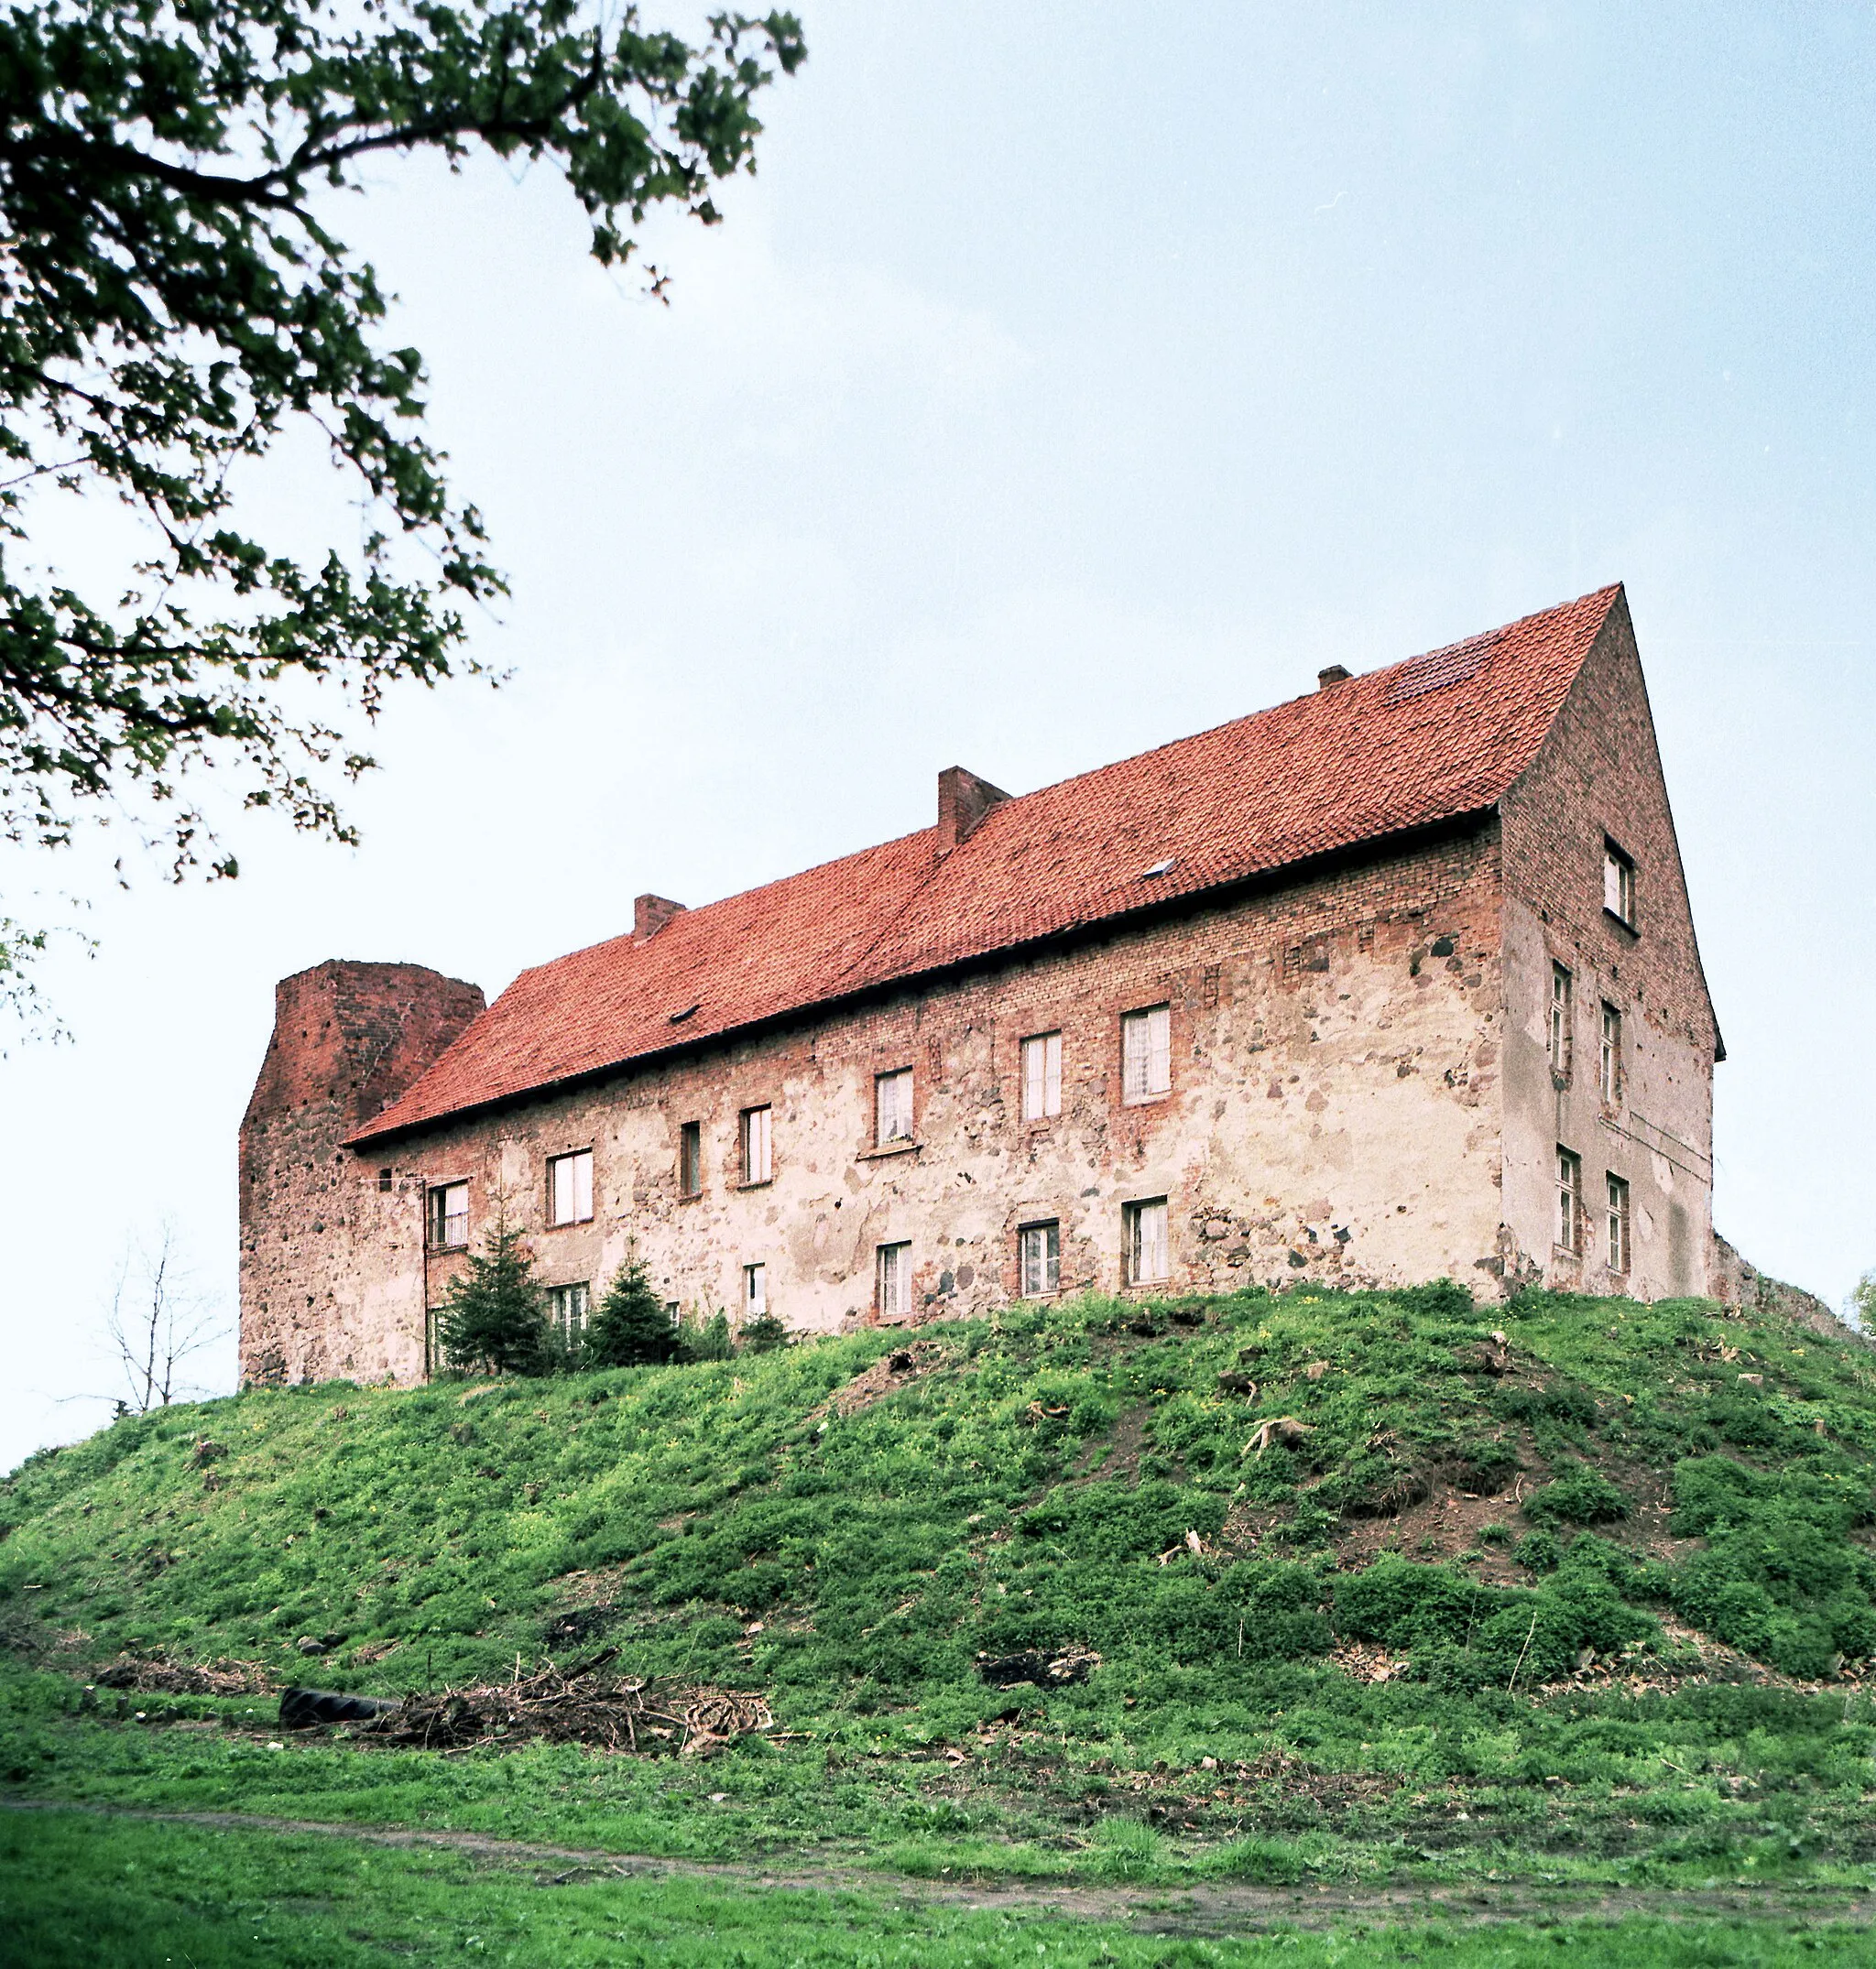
x=1034 y=1485
x=79 y=1892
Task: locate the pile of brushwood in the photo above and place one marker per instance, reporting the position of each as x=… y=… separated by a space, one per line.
x=158 y=1675
x=578 y=1705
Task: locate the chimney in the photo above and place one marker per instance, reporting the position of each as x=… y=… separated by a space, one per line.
x=963 y=800
x=1333 y=675
x=650 y=914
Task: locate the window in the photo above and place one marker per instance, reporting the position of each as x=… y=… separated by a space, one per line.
x=1618 y=884
x=570 y=1188
x=1041 y=1076
x=1569 y=1202
x=895 y=1282
x=1038 y=1252
x=384 y=1183
x=892 y=1107
x=567 y=1306
x=1562 y=1002
x=690 y=1158
x=1146 y=1054
x=1149 y=1259
x=755 y=1288
x=1609 y=1065
x=1618 y=1225
x=449 y=1217
x=757 y=1163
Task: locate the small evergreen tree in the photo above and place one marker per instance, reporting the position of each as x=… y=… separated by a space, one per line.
x=492 y=1316
x=630 y=1328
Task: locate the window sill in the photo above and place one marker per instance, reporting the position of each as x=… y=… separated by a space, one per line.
x=1145 y=1100
x=446 y=1251
x=768 y=1182
x=571 y=1223
x=888 y=1149
x=1622 y=922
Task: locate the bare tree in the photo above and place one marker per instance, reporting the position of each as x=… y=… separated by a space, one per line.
x=158 y=1321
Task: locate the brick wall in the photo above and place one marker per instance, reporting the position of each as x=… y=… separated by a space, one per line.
x=323 y=1248
x=1599 y=776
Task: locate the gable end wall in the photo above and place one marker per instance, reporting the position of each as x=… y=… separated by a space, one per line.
x=1599 y=774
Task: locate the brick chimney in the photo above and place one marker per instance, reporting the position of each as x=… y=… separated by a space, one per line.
x=963 y=800
x=1327 y=679
x=650 y=914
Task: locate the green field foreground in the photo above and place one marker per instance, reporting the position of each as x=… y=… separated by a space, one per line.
x=80 y=1893
x=1380 y=1598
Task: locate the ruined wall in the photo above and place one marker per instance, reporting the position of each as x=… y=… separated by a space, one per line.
x=1599 y=775
x=1334 y=1112
x=327 y=1283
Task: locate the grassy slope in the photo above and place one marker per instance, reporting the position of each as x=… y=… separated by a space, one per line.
x=1024 y=1487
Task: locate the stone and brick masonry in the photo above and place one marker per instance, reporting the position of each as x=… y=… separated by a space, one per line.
x=1351 y=906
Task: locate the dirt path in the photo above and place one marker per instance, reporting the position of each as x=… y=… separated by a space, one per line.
x=1211 y=1908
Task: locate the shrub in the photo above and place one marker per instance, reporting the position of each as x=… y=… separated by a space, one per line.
x=701 y=1339
x=1443 y=1299
x=631 y=1327
x=1580 y=1496
x=763 y=1335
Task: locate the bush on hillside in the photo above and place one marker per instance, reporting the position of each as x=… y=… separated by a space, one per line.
x=703 y=1339
x=493 y=1317
x=1579 y=1496
x=762 y=1336
x=630 y=1327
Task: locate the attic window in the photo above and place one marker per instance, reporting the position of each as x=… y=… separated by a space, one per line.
x=1159 y=868
x=677 y=1019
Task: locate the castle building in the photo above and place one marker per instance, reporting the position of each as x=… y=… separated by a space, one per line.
x=1394 y=982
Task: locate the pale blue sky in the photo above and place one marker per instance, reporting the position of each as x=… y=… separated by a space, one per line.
x=1069 y=380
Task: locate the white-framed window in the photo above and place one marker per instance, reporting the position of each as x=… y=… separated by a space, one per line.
x=567 y=1306
x=1039 y=1258
x=570 y=1188
x=1149 y=1248
x=449 y=1217
x=759 y=1164
x=1618 y=884
x=1563 y=1001
x=1569 y=1202
x=690 y=1158
x=892 y=1106
x=1618 y=1223
x=1146 y=1053
x=1041 y=1076
x=894 y=1281
x=755 y=1291
x=1610 y=1061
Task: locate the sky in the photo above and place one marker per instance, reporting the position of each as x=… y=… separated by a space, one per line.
x=1067 y=381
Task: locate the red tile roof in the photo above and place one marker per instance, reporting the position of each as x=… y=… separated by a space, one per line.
x=1439 y=736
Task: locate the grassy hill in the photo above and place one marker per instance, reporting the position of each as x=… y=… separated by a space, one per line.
x=1378 y=1583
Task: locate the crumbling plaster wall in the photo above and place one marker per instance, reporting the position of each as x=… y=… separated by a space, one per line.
x=1598 y=775
x=1335 y=1113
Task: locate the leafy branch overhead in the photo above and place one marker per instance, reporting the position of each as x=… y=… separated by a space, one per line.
x=172 y=301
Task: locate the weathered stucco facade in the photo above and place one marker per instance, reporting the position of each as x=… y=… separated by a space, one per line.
x=1361 y=1085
